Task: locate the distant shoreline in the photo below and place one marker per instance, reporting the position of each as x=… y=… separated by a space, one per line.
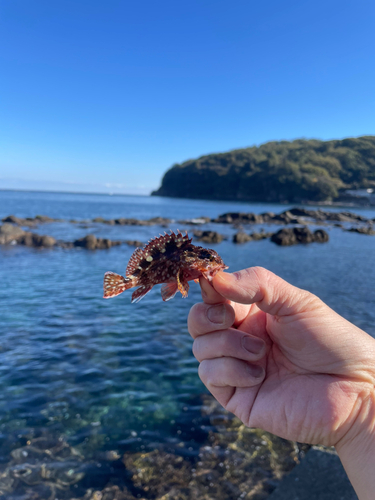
x=326 y=204
x=71 y=192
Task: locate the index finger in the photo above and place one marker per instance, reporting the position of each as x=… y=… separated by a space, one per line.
x=212 y=296
x=209 y=294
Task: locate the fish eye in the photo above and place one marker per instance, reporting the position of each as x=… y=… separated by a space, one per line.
x=205 y=254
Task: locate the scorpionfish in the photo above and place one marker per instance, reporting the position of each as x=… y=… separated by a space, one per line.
x=170 y=259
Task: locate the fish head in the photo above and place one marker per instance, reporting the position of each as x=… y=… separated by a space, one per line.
x=209 y=262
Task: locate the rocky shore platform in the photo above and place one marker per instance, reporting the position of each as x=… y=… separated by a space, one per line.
x=17 y=231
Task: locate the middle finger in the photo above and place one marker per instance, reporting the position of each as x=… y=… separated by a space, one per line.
x=204 y=318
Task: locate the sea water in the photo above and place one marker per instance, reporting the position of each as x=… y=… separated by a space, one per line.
x=111 y=375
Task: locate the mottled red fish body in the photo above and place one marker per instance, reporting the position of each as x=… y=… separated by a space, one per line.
x=170 y=259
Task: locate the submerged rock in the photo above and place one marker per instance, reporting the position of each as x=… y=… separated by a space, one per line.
x=109 y=493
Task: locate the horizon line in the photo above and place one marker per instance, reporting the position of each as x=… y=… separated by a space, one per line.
x=69 y=192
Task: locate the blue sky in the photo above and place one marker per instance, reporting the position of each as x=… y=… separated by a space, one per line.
x=105 y=96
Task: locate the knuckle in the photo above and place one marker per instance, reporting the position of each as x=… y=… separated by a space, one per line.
x=203 y=372
x=222 y=343
x=195 y=317
x=196 y=348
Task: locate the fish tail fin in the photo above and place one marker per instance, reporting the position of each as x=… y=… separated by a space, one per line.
x=114 y=284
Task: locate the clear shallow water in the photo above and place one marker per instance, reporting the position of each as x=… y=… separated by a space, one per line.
x=111 y=375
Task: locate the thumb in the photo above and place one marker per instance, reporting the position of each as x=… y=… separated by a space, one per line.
x=272 y=294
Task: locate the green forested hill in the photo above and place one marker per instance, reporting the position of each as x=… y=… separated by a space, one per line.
x=301 y=170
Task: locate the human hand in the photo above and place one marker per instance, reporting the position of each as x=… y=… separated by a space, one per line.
x=281 y=360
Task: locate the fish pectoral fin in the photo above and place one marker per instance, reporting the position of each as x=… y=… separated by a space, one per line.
x=183 y=287
x=168 y=291
x=114 y=284
x=140 y=293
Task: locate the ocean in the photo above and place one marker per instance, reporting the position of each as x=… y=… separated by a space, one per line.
x=108 y=379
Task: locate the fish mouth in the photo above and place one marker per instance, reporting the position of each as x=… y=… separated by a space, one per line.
x=210 y=273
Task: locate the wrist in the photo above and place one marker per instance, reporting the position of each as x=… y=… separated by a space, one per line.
x=357 y=449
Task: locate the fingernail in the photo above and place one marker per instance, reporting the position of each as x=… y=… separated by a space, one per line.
x=216 y=314
x=223 y=277
x=252 y=344
x=255 y=371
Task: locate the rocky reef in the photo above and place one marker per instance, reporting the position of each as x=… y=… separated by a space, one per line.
x=12 y=232
x=232 y=461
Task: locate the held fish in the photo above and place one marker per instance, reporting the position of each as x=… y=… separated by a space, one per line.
x=170 y=259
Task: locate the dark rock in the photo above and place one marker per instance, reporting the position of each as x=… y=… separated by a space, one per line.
x=134 y=243
x=320 y=476
x=208 y=236
x=239 y=218
x=241 y=237
x=162 y=221
x=224 y=219
x=260 y=236
x=303 y=235
x=301 y=212
x=363 y=230
x=8 y=228
x=46 y=241
x=88 y=242
x=284 y=237
x=36 y=240
x=10 y=233
x=132 y=222
x=285 y=217
x=321 y=236
x=14 y=220
x=292 y=236
x=43 y=218
x=339 y=217
x=91 y=242
x=104 y=243
x=267 y=216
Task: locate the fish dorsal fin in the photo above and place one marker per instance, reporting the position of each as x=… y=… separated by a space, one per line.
x=134 y=261
x=163 y=240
